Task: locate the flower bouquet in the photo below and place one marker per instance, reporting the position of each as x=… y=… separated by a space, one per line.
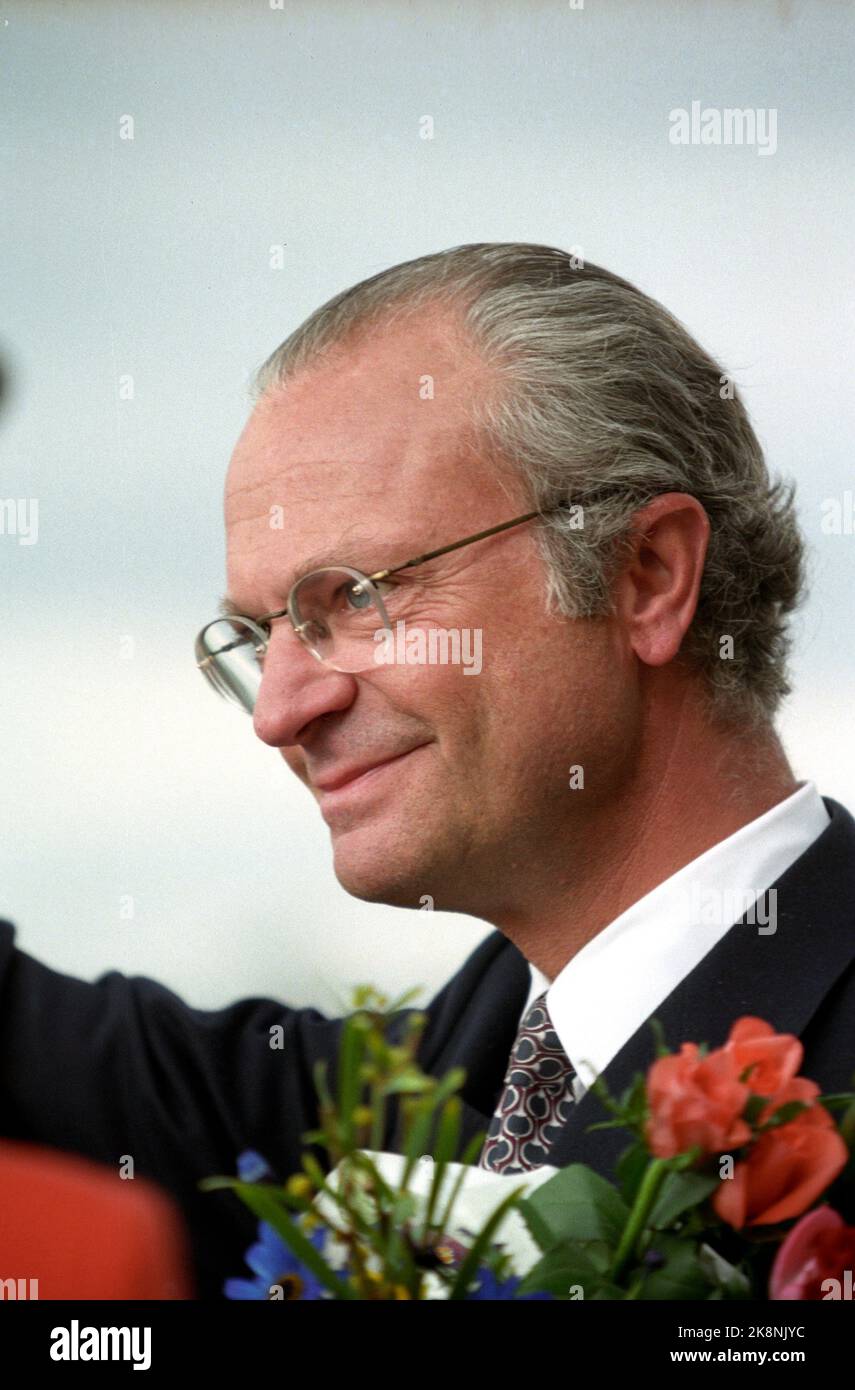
x=716 y=1195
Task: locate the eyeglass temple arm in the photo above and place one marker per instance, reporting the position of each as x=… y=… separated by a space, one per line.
x=455 y=545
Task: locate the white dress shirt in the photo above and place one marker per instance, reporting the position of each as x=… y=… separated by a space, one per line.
x=620 y=977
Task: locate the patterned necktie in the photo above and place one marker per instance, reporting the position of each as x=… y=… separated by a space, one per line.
x=537 y=1096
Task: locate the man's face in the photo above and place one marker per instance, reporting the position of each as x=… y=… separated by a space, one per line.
x=431 y=781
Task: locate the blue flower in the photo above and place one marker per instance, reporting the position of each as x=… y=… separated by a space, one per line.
x=252 y=1167
x=489 y=1287
x=272 y=1263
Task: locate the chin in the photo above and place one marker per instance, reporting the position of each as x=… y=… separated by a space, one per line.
x=378 y=878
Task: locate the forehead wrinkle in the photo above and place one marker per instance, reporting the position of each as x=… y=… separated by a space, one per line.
x=291 y=493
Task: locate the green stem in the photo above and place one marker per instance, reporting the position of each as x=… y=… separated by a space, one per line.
x=644 y=1199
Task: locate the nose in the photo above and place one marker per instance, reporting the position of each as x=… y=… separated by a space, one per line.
x=295 y=689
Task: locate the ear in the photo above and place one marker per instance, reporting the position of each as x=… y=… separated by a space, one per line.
x=656 y=591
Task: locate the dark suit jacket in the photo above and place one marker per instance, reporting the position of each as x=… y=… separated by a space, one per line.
x=124 y=1067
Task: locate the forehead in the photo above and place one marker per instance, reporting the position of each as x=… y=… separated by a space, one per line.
x=372 y=445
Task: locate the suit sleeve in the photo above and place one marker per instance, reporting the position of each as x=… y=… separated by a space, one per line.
x=122 y=1068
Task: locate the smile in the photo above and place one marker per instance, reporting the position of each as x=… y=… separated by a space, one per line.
x=342 y=794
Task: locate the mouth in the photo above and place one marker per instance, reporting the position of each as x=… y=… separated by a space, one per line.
x=346 y=788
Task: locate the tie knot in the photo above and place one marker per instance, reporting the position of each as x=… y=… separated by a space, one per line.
x=537 y=1051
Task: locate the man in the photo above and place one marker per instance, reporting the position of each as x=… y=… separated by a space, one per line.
x=609 y=792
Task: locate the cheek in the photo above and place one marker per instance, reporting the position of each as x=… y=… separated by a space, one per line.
x=552 y=687
x=437 y=695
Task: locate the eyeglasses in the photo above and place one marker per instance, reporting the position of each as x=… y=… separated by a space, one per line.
x=336 y=612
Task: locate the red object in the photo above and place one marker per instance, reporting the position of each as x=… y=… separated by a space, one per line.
x=696 y=1100
x=774 y=1058
x=81 y=1231
x=819 y=1251
x=700 y=1100
x=786 y=1169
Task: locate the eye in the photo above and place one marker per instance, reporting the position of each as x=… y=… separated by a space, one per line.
x=359 y=597
x=356 y=595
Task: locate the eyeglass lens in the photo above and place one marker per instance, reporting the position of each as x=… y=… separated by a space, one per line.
x=337 y=613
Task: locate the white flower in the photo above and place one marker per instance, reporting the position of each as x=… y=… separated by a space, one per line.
x=481 y=1192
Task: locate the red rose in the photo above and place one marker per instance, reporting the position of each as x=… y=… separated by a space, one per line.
x=774 y=1058
x=695 y=1100
x=787 y=1168
x=799 y=1088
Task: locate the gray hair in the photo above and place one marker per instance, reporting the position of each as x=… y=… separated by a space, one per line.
x=605 y=400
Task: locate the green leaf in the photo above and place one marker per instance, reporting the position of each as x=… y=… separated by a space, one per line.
x=662 y=1049
x=846 y=1123
x=838 y=1100
x=473 y=1148
x=396 y=1006
x=418 y=1124
x=539 y=1230
x=586 y=1264
x=599 y=1088
x=682 y=1275
x=408 y=1083
x=731 y=1281
x=404 y=1208
x=784 y=1114
x=633 y=1102
x=319 y=1073
x=445 y=1146
x=629 y=1112
x=630 y=1169
x=351 y=1053
x=470 y=1154
x=450 y=1084
x=467 y=1160
x=421 y=1118
x=680 y=1192
x=577 y=1204
x=753 y=1106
